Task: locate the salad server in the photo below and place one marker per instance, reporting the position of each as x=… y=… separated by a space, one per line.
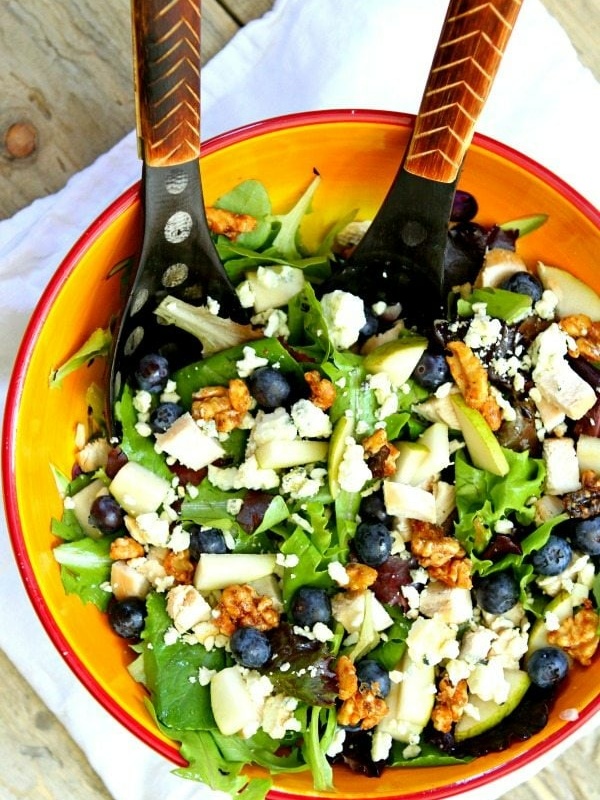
x=401 y=256
x=178 y=256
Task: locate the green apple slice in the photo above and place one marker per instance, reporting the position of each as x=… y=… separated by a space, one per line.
x=411 y=456
x=561 y=606
x=491 y=713
x=82 y=505
x=397 y=359
x=218 y=570
x=409 y=702
x=483 y=447
x=344 y=428
x=573 y=294
x=281 y=455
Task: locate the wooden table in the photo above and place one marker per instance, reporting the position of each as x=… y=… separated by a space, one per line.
x=65 y=72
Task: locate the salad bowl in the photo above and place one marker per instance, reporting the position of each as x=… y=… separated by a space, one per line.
x=356 y=153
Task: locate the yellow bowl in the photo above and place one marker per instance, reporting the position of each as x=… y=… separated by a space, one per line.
x=357 y=154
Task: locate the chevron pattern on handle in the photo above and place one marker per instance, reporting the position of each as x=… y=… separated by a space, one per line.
x=167 y=55
x=469 y=52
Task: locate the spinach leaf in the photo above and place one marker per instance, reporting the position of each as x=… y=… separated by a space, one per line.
x=171 y=671
x=136 y=447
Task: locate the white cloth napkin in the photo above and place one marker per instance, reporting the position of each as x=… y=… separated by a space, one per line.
x=303 y=54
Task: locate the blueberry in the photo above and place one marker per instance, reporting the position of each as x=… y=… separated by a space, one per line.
x=106 y=514
x=464 y=206
x=371 y=325
x=206 y=540
x=310 y=605
x=126 y=617
x=547 y=666
x=431 y=371
x=524 y=283
x=372 y=509
x=371 y=673
x=164 y=416
x=152 y=373
x=553 y=557
x=373 y=543
x=586 y=536
x=497 y=593
x=268 y=387
x=250 y=648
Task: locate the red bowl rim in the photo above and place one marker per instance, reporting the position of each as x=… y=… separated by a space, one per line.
x=19 y=372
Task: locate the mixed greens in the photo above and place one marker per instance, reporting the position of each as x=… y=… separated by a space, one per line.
x=333 y=538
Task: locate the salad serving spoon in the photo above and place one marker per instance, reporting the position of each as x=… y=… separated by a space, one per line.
x=401 y=256
x=178 y=256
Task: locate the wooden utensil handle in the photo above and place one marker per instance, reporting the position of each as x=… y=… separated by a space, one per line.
x=471 y=45
x=166 y=49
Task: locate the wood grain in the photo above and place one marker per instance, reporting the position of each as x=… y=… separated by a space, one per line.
x=63 y=67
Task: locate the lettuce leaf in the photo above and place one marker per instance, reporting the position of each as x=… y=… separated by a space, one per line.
x=84 y=567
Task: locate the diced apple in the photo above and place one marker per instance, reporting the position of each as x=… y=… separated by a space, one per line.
x=409 y=702
x=410 y=457
x=348 y=609
x=588 y=452
x=280 y=455
x=82 y=504
x=218 y=570
x=138 y=490
x=489 y=712
x=411 y=502
x=574 y=296
x=397 y=359
x=483 y=447
x=344 y=428
x=560 y=607
x=275 y=286
x=126 y=581
x=436 y=440
x=185 y=442
x=445 y=500
x=231 y=702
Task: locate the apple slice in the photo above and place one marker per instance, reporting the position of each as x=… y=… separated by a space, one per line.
x=411 y=456
x=397 y=359
x=483 y=447
x=491 y=713
x=81 y=503
x=218 y=570
x=280 y=455
x=409 y=702
x=573 y=294
x=561 y=606
x=344 y=428
x=231 y=701
x=409 y=502
x=588 y=453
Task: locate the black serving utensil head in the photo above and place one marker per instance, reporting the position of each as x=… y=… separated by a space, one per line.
x=401 y=256
x=178 y=256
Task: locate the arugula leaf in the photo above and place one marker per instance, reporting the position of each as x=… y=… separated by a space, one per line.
x=85 y=566
x=286 y=241
x=97 y=345
x=171 y=670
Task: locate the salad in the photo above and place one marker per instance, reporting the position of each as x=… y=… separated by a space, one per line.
x=337 y=538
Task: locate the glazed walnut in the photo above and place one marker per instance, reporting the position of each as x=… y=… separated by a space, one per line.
x=471 y=377
x=442 y=556
x=360 y=577
x=240 y=606
x=322 y=391
x=179 y=566
x=124 y=547
x=449 y=704
x=381 y=455
x=228 y=223
x=578 y=635
x=226 y=405
x=360 y=705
